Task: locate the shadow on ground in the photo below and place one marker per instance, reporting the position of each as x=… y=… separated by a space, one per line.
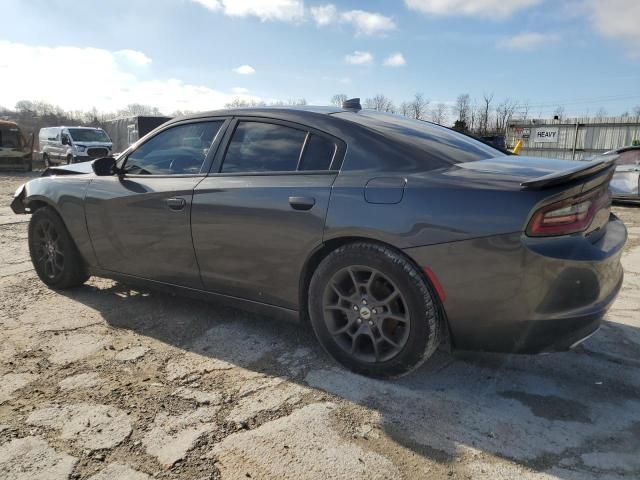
x=561 y=413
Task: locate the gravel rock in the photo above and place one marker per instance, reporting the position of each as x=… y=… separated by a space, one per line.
x=92 y=427
x=171 y=437
x=11 y=382
x=130 y=354
x=82 y=380
x=31 y=458
x=301 y=445
x=118 y=471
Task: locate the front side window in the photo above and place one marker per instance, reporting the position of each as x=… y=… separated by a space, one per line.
x=178 y=150
x=263 y=147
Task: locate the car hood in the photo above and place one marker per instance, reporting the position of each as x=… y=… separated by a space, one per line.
x=73 y=169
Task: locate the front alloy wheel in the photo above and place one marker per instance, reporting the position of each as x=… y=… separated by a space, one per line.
x=53 y=253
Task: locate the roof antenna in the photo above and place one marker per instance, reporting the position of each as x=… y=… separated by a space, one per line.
x=352 y=104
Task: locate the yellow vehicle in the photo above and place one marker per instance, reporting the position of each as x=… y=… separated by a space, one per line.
x=15 y=152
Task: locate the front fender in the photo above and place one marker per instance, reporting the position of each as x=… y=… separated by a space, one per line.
x=65 y=194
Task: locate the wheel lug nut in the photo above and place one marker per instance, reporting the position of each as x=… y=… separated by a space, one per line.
x=359 y=320
x=364 y=302
x=374 y=311
x=370 y=323
x=355 y=307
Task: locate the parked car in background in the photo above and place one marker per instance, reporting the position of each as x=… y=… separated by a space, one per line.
x=625 y=184
x=73 y=144
x=15 y=149
x=390 y=235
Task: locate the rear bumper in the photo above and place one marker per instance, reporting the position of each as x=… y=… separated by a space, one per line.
x=512 y=293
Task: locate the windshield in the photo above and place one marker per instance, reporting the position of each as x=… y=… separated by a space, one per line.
x=10 y=137
x=88 y=135
x=444 y=145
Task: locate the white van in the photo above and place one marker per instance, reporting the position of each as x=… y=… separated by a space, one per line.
x=73 y=144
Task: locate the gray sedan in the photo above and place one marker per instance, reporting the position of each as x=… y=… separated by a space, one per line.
x=389 y=236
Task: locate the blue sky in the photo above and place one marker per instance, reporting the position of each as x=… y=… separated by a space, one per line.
x=186 y=54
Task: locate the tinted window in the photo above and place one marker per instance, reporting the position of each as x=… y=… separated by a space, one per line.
x=178 y=150
x=441 y=146
x=88 y=135
x=263 y=147
x=318 y=153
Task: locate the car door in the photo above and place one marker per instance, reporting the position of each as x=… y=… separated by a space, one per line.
x=256 y=219
x=139 y=221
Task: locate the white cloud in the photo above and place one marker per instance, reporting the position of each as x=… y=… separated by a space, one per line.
x=245 y=70
x=133 y=57
x=359 y=58
x=213 y=5
x=365 y=23
x=395 y=60
x=528 y=40
x=324 y=14
x=368 y=23
x=618 y=19
x=281 y=10
x=240 y=90
x=481 y=8
x=117 y=85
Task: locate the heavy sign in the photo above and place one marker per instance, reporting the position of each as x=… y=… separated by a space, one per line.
x=546 y=135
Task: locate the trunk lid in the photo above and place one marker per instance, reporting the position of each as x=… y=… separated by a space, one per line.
x=537 y=173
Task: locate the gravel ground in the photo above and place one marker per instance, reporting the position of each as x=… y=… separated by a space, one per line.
x=106 y=382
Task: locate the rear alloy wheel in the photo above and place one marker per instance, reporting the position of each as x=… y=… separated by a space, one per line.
x=373 y=311
x=53 y=253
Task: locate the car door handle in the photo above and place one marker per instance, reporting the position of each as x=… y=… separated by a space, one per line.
x=176 y=203
x=302 y=203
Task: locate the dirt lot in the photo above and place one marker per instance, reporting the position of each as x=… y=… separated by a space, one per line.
x=106 y=382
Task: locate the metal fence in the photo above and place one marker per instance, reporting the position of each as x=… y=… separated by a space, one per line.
x=572 y=138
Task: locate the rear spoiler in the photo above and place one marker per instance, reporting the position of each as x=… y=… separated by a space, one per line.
x=582 y=169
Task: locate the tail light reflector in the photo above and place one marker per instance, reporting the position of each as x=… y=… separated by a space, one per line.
x=568 y=216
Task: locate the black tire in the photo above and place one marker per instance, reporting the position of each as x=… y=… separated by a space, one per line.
x=45 y=159
x=53 y=253
x=69 y=159
x=331 y=299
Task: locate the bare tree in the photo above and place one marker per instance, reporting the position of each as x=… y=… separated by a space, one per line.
x=473 y=115
x=559 y=112
x=439 y=114
x=462 y=107
x=483 y=126
x=380 y=103
x=504 y=112
x=418 y=107
x=601 y=112
x=404 y=109
x=524 y=110
x=636 y=110
x=338 y=99
x=134 y=109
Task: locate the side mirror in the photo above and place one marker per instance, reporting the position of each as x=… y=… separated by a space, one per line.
x=104 y=166
x=65 y=140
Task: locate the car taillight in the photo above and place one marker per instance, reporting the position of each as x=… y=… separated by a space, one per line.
x=568 y=216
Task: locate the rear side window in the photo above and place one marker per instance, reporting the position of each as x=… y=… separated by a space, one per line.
x=318 y=153
x=263 y=147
